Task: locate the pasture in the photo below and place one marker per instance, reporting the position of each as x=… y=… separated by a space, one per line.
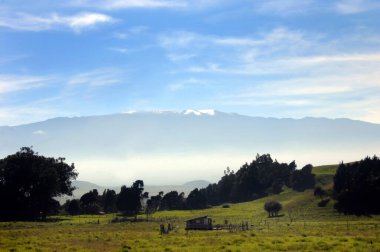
x=303 y=227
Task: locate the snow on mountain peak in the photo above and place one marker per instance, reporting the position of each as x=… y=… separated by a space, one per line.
x=199 y=112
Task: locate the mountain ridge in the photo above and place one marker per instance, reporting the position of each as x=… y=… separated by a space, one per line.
x=172 y=148
x=188 y=112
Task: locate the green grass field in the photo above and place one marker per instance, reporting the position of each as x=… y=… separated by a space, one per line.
x=304 y=227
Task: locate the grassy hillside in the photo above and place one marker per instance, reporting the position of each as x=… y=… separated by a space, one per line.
x=303 y=227
x=324 y=175
x=325 y=169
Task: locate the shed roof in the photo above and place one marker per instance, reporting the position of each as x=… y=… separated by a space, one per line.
x=203 y=217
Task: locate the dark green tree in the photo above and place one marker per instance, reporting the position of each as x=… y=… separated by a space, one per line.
x=73 y=207
x=109 y=201
x=319 y=192
x=272 y=207
x=90 y=202
x=196 y=200
x=172 y=201
x=303 y=179
x=261 y=177
x=152 y=204
x=129 y=199
x=29 y=182
x=357 y=187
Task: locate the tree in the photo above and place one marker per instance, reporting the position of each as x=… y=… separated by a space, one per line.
x=261 y=177
x=319 y=192
x=196 y=200
x=73 y=207
x=172 y=201
x=357 y=187
x=272 y=207
x=152 y=205
x=90 y=202
x=29 y=182
x=109 y=201
x=303 y=179
x=129 y=198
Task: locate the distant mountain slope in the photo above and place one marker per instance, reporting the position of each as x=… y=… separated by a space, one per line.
x=197 y=184
x=175 y=147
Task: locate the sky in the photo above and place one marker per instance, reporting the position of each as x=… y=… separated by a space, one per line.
x=272 y=58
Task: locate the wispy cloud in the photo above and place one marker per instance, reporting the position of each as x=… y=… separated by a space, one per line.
x=180 y=39
x=284 y=7
x=26 y=113
x=57 y=95
x=279 y=37
x=356 y=6
x=289 y=72
x=77 y=23
x=235 y=55
x=150 y=4
x=122 y=50
x=180 y=57
x=133 y=31
x=183 y=84
x=96 y=78
x=123 y=4
x=10 y=59
x=13 y=83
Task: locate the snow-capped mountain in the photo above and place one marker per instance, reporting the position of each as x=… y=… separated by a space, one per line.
x=198 y=112
x=169 y=147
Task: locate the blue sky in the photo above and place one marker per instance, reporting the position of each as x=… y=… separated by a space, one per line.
x=273 y=58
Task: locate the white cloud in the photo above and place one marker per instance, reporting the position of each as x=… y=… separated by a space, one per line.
x=190 y=82
x=96 y=78
x=149 y=4
x=356 y=6
x=179 y=39
x=39 y=132
x=277 y=39
x=180 y=57
x=124 y=4
x=120 y=50
x=10 y=59
x=26 y=113
x=284 y=7
x=78 y=22
x=133 y=31
x=13 y=83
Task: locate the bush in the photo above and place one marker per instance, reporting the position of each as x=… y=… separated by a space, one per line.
x=323 y=202
x=272 y=207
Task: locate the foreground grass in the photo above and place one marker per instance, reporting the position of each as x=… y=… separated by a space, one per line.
x=304 y=227
x=359 y=236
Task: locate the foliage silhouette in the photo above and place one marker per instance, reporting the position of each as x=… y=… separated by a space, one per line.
x=29 y=182
x=357 y=187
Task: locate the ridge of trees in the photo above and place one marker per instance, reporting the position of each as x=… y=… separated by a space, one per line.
x=357 y=187
x=261 y=177
x=29 y=182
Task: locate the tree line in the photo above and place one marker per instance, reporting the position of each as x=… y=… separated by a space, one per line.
x=29 y=184
x=261 y=177
x=357 y=187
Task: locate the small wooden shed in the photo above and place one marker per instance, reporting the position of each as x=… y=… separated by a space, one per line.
x=200 y=223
